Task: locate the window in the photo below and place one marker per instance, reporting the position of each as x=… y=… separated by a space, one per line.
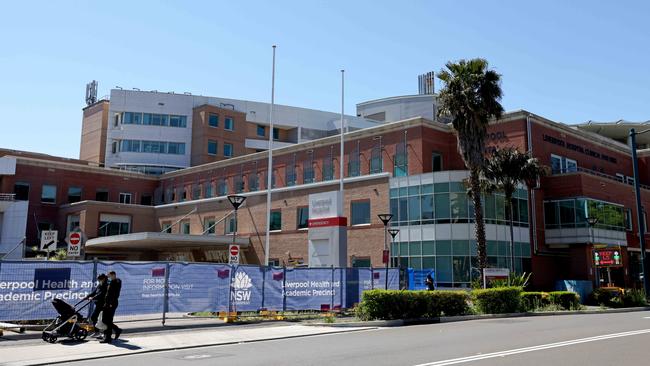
x=400 y=160
x=113 y=224
x=114 y=147
x=238 y=183
x=167 y=227
x=290 y=175
x=360 y=212
x=116 y=120
x=307 y=171
x=125 y=198
x=48 y=194
x=212 y=147
x=253 y=182
x=231 y=225
x=185 y=227
x=227 y=150
x=209 y=226
x=630 y=180
x=436 y=162
x=620 y=177
x=228 y=124
x=261 y=131
x=132 y=118
x=276 y=220
x=328 y=168
x=177 y=121
x=74 y=194
x=376 y=163
x=274 y=262
x=73 y=223
x=302 y=216
x=101 y=195
x=628 y=219
x=354 y=164
x=560 y=164
x=196 y=192
x=213 y=120
x=21 y=191
x=222 y=187
x=276 y=133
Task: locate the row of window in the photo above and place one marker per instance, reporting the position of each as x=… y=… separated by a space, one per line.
x=561 y=165
x=228 y=122
x=151 y=119
x=213 y=148
x=49 y=193
x=261 y=132
x=573 y=213
x=155 y=147
x=447 y=202
x=457 y=247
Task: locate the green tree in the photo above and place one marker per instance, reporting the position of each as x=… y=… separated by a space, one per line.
x=504 y=171
x=471 y=96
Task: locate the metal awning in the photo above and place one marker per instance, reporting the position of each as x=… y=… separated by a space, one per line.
x=154 y=241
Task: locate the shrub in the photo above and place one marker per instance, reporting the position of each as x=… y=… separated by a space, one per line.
x=516 y=280
x=634 y=297
x=607 y=296
x=566 y=299
x=394 y=304
x=534 y=300
x=498 y=300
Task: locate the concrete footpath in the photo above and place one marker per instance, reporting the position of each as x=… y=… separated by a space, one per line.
x=39 y=353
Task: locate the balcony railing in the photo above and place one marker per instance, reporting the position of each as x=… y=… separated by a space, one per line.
x=610 y=177
x=7 y=196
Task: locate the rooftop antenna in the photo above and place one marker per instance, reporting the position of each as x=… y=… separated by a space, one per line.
x=91 y=92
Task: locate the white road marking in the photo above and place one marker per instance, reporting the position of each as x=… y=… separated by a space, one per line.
x=455 y=361
x=196 y=357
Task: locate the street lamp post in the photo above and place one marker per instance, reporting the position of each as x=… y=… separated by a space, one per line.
x=592 y=221
x=393 y=233
x=236 y=201
x=639 y=209
x=385 y=219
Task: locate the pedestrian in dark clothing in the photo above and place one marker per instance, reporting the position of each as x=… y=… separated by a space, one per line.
x=110 y=305
x=429 y=282
x=98 y=295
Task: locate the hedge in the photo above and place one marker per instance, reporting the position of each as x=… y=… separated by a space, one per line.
x=534 y=300
x=401 y=304
x=566 y=299
x=497 y=300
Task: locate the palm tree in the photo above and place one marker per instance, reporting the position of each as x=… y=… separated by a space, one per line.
x=470 y=96
x=504 y=171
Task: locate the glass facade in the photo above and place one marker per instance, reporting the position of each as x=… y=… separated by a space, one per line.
x=431 y=209
x=155 y=147
x=152 y=119
x=573 y=213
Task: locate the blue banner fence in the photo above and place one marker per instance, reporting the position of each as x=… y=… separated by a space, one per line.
x=27 y=288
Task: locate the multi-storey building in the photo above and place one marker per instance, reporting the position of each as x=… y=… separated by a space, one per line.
x=410 y=168
x=154 y=132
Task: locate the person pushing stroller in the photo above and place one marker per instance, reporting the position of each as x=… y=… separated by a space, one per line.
x=98 y=297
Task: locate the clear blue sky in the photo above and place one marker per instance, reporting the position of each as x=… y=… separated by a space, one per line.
x=569 y=61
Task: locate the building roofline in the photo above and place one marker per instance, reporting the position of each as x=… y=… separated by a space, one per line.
x=398 y=97
x=80 y=168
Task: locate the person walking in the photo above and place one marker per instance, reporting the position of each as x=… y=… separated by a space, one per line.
x=428 y=282
x=110 y=305
x=98 y=295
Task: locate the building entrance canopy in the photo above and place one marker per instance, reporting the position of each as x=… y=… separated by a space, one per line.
x=154 y=241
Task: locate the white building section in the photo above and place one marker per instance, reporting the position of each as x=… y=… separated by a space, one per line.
x=310 y=124
x=398 y=108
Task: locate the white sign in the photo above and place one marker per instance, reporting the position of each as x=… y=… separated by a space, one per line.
x=48 y=240
x=490 y=274
x=74 y=244
x=233 y=253
x=325 y=204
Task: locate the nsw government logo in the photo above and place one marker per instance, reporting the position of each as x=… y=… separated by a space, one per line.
x=241 y=292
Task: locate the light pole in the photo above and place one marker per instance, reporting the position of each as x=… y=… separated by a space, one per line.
x=393 y=233
x=639 y=209
x=385 y=219
x=592 y=221
x=236 y=201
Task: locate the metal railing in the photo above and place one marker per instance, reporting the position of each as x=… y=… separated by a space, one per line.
x=7 y=196
x=610 y=177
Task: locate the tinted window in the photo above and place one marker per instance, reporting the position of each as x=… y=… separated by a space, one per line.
x=360 y=212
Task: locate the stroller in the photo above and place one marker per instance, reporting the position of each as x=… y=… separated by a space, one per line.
x=70 y=323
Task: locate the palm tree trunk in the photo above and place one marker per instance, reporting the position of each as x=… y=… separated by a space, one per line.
x=479 y=226
x=512 y=239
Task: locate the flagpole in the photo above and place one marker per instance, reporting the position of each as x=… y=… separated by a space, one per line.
x=341 y=174
x=269 y=173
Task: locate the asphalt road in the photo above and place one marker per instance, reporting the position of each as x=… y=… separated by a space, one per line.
x=594 y=340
